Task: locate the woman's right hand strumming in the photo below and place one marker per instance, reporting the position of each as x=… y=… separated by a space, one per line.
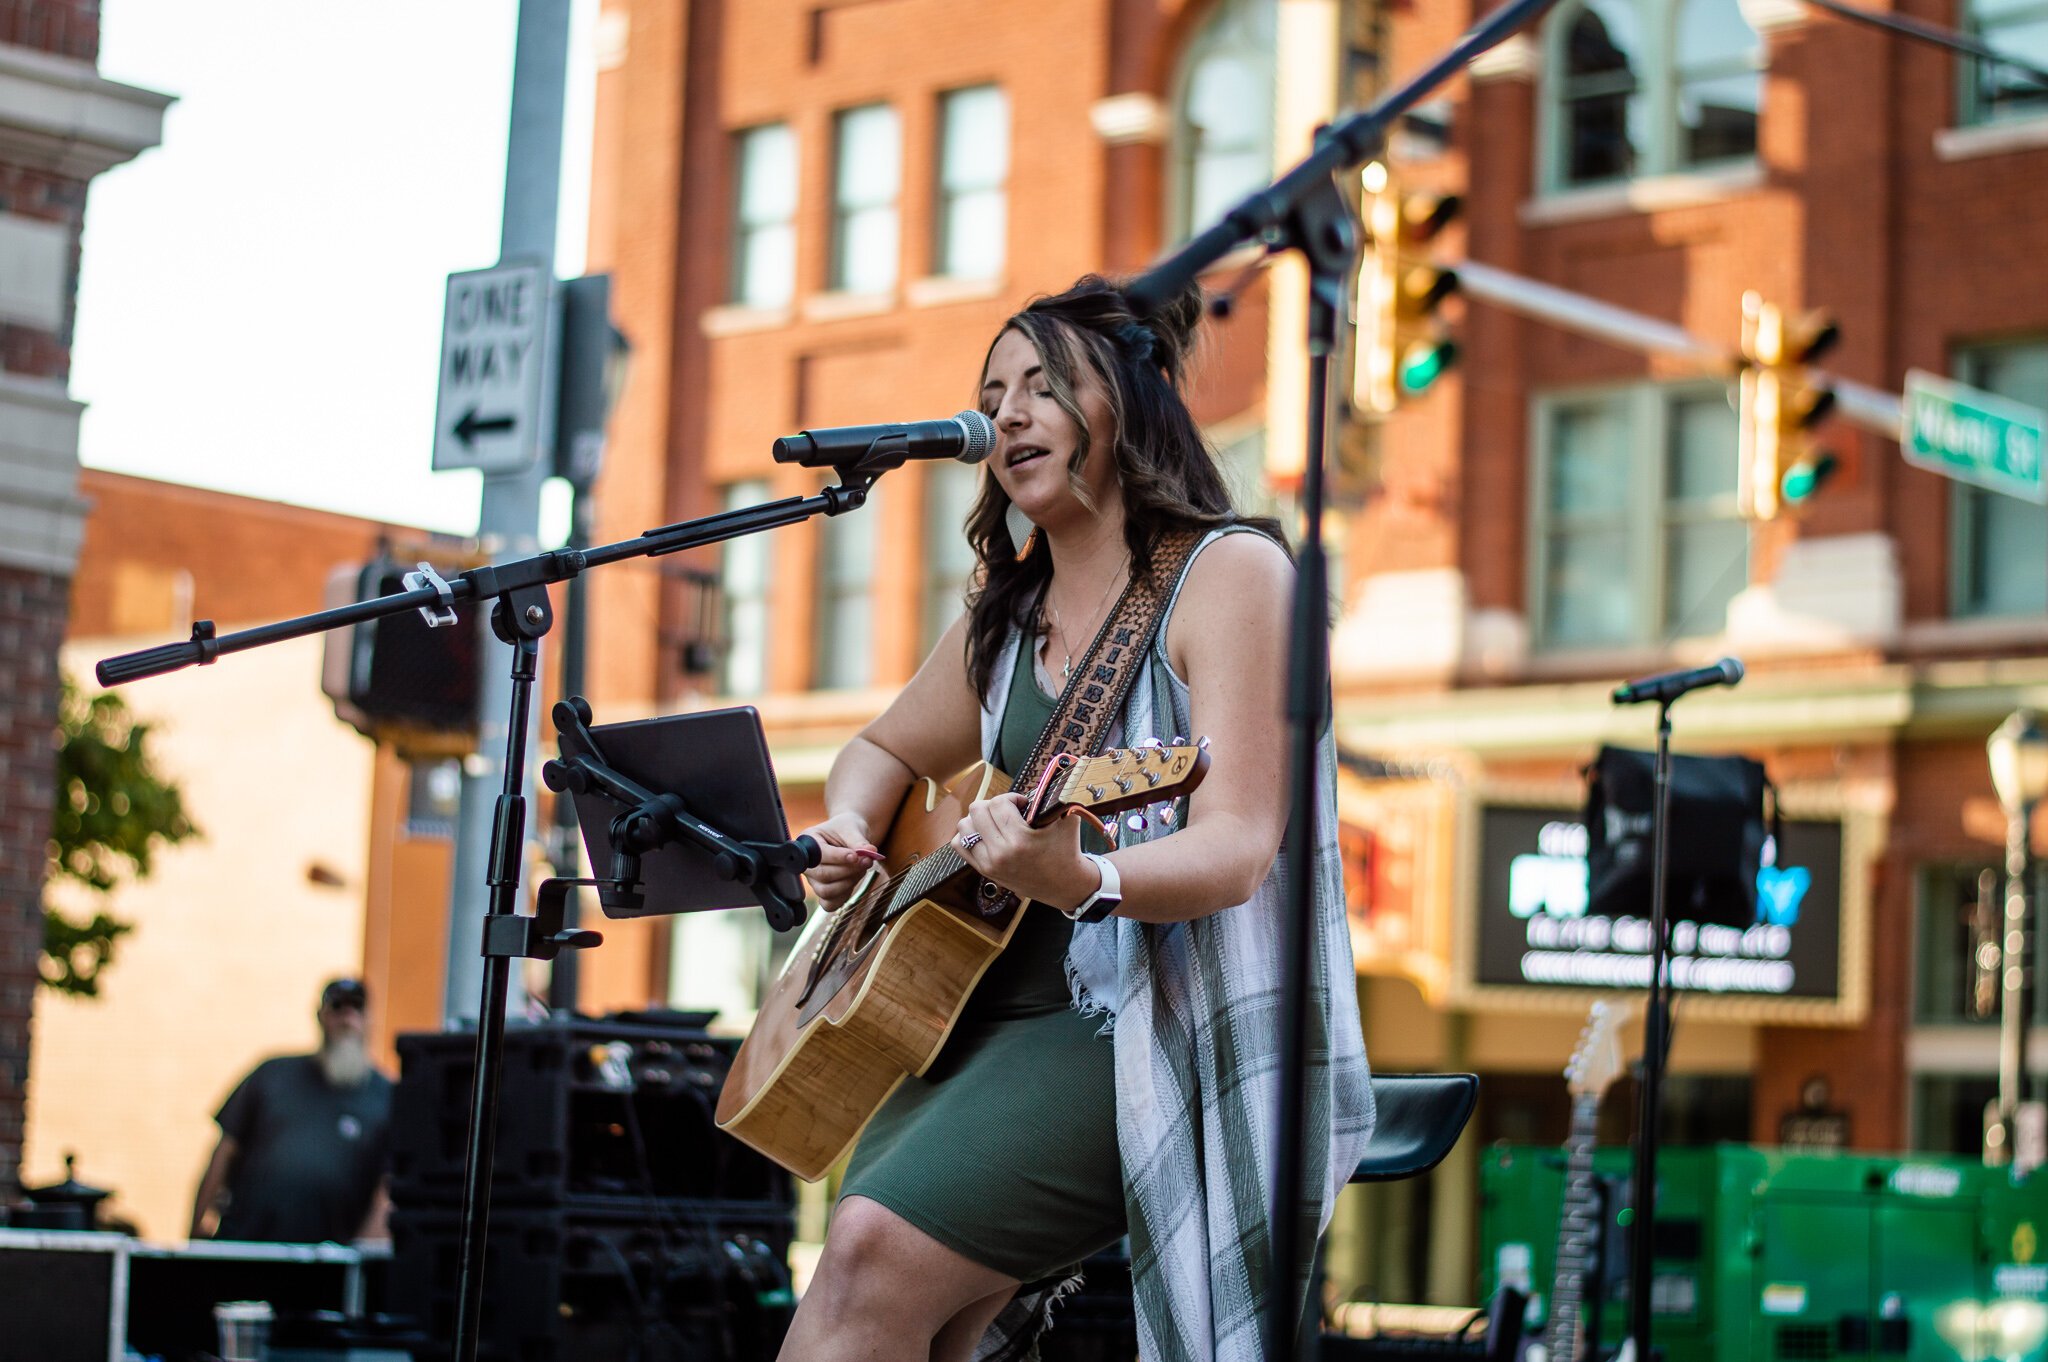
x=844 y=855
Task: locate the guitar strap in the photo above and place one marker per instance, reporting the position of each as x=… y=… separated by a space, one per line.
x=1096 y=692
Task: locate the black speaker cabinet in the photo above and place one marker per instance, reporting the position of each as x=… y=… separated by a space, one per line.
x=662 y=1282
x=589 y=1109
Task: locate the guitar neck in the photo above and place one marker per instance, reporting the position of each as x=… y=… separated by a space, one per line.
x=1578 y=1227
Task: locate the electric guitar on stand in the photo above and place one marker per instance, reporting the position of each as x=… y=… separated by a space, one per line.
x=1595 y=1063
x=871 y=992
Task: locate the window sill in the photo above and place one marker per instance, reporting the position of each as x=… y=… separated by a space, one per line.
x=1649 y=194
x=1970 y=633
x=1555 y=663
x=833 y=307
x=1991 y=139
x=940 y=289
x=737 y=319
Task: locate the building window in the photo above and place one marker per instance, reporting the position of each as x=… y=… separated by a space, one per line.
x=764 y=232
x=949 y=561
x=1948 y=1112
x=743 y=582
x=2000 y=553
x=1650 y=87
x=1992 y=90
x=1961 y=911
x=974 y=166
x=1636 y=537
x=433 y=797
x=867 y=178
x=844 y=654
x=1223 y=125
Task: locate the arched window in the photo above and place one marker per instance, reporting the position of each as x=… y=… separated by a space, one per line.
x=1223 y=114
x=1601 y=91
x=1648 y=87
x=1993 y=91
x=1720 y=82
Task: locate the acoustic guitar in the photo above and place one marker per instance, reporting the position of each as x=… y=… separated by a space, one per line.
x=870 y=993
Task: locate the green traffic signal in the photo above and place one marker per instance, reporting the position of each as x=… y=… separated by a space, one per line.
x=1805 y=477
x=1425 y=362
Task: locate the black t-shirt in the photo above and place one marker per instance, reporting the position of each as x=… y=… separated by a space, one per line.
x=309 y=1154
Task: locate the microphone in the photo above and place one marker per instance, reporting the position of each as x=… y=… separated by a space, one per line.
x=968 y=437
x=1670 y=685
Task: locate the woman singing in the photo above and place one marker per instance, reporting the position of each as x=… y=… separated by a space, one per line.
x=1115 y=1074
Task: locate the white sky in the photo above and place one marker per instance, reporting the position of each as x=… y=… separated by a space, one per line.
x=260 y=298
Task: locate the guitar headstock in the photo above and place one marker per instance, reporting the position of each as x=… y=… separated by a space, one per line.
x=1121 y=778
x=1596 y=1060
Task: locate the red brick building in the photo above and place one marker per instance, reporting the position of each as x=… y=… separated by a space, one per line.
x=61 y=125
x=801 y=204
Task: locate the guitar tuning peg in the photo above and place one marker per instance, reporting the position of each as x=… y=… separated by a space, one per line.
x=1167 y=815
x=1136 y=822
x=1150 y=742
x=1179 y=740
x=1203 y=743
x=1109 y=834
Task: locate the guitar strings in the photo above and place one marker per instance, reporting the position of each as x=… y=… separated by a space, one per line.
x=881 y=899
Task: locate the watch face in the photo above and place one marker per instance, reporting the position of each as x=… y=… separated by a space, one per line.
x=1100 y=907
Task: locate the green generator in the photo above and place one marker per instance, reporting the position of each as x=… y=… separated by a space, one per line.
x=1792 y=1256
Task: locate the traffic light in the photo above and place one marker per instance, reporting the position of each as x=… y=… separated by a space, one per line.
x=1402 y=345
x=1782 y=400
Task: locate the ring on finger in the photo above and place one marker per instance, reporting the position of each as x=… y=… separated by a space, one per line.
x=970 y=841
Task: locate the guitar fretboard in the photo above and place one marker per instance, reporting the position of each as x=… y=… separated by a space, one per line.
x=1578 y=1231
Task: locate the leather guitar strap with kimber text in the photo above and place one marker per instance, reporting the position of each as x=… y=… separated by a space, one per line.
x=1096 y=692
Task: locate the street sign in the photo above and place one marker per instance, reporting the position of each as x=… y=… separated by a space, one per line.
x=493 y=356
x=1960 y=432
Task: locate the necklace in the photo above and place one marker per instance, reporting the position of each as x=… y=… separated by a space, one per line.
x=1067 y=670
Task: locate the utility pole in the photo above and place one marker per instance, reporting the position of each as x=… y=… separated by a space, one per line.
x=510 y=519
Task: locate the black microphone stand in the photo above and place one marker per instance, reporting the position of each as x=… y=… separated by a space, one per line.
x=1656 y=1044
x=520 y=616
x=1303 y=210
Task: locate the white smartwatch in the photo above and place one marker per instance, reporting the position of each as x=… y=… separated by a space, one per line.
x=1108 y=896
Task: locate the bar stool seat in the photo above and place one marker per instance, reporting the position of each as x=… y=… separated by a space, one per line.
x=1420 y=1117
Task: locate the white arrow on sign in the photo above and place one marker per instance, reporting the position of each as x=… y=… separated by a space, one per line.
x=493 y=346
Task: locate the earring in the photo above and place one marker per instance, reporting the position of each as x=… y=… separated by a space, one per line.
x=1023 y=534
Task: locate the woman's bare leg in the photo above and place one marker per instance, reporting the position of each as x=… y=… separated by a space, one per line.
x=885 y=1290
x=956 y=1341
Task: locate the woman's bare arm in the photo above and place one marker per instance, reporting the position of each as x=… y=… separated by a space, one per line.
x=931 y=728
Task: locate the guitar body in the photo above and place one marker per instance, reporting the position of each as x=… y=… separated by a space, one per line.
x=815 y=1069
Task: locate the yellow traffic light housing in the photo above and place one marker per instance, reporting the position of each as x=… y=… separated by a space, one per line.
x=1403 y=347
x=1781 y=402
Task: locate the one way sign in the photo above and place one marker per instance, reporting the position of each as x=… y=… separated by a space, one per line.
x=493 y=353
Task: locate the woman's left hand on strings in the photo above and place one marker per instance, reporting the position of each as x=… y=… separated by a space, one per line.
x=1041 y=864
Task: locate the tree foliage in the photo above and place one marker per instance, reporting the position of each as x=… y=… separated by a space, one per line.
x=113 y=813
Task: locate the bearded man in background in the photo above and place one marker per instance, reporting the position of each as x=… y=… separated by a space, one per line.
x=304 y=1140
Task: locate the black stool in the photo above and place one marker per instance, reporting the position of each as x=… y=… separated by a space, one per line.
x=1420 y=1116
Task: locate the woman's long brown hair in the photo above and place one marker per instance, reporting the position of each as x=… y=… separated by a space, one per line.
x=1166 y=471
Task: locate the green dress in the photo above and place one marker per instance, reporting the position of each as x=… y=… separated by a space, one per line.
x=1005 y=1151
